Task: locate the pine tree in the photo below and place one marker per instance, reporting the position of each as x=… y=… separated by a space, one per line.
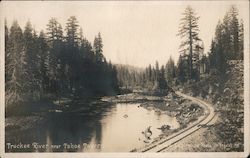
x=170 y=70
x=150 y=73
x=157 y=70
x=73 y=55
x=228 y=42
x=189 y=32
x=54 y=31
x=234 y=31
x=15 y=72
x=230 y=34
x=224 y=35
x=182 y=69
x=114 y=82
x=30 y=57
x=221 y=48
x=7 y=50
x=44 y=61
x=212 y=56
x=55 y=43
x=72 y=29
x=98 y=48
x=86 y=50
x=241 y=41
x=32 y=79
x=162 y=81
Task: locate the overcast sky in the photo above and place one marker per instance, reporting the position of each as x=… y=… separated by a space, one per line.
x=135 y=33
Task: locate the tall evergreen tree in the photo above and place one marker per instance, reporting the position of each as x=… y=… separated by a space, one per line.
x=241 y=41
x=162 y=80
x=157 y=70
x=189 y=32
x=150 y=73
x=221 y=48
x=98 y=48
x=86 y=50
x=234 y=31
x=170 y=70
x=30 y=57
x=73 y=56
x=15 y=72
x=7 y=49
x=43 y=52
x=55 y=43
x=72 y=34
x=182 y=69
x=54 y=31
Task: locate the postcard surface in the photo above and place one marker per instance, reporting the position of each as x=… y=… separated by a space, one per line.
x=124 y=78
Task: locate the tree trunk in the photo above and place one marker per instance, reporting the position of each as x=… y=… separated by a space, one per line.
x=190 y=49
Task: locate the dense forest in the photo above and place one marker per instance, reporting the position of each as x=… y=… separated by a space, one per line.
x=193 y=64
x=53 y=65
x=152 y=79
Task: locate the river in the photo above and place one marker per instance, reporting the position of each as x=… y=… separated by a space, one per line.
x=113 y=128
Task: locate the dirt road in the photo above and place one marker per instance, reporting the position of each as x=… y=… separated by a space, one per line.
x=172 y=139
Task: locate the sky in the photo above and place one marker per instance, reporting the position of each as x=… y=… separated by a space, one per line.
x=135 y=33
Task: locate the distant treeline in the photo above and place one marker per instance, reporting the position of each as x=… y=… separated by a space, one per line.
x=193 y=63
x=152 y=79
x=50 y=63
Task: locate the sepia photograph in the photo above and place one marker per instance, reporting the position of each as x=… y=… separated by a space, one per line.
x=124 y=77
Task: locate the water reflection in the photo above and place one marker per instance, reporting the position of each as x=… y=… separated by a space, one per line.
x=103 y=130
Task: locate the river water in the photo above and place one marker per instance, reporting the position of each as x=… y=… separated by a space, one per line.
x=116 y=128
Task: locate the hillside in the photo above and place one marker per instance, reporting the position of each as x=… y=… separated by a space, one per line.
x=235 y=83
x=226 y=132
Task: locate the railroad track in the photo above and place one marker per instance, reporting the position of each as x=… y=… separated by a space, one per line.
x=167 y=142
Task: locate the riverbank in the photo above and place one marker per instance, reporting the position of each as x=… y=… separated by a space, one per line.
x=185 y=111
x=32 y=115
